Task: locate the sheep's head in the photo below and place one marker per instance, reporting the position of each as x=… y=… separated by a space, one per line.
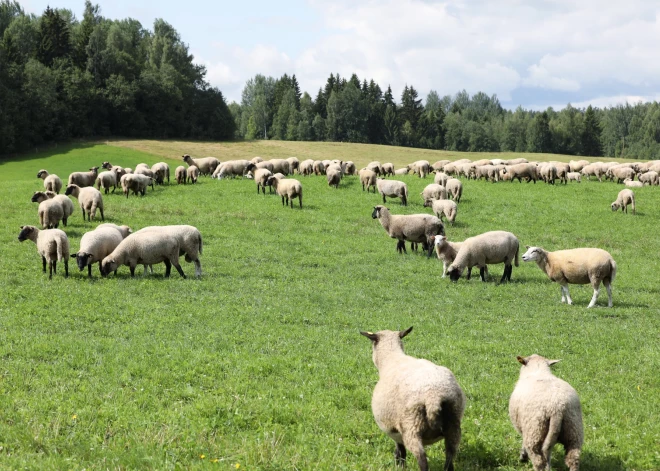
x=534 y=363
x=42 y=174
x=186 y=157
x=533 y=254
x=82 y=259
x=454 y=273
x=377 y=211
x=27 y=232
x=94 y=170
x=386 y=341
x=38 y=197
x=106 y=165
x=72 y=190
x=440 y=240
x=615 y=206
x=108 y=265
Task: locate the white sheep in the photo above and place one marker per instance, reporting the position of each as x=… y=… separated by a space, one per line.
x=454 y=189
x=421 y=168
x=388 y=169
x=433 y=192
x=393 y=189
x=545 y=410
x=376 y=167
x=136 y=183
x=368 y=179
x=206 y=165
x=486 y=249
x=89 y=199
x=306 y=167
x=442 y=208
x=52 y=245
x=234 y=168
x=625 y=197
x=145 y=248
x=576 y=266
x=190 y=242
x=294 y=164
x=574 y=176
x=319 y=167
x=106 y=180
x=333 y=174
x=416 y=228
x=632 y=184
x=446 y=251
x=652 y=178
x=67 y=205
x=261 y=176
x=125 y=231
x=402 y=171
x=415 y=402
x=441 y=178
x=161 y=171
x=83 y=179
x=180 y=174
x=439 y=165
x=192 y=174
x=51 y=181
x=287 y=188
x=97 y=244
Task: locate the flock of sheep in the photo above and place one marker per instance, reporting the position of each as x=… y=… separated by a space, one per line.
x=415 y=402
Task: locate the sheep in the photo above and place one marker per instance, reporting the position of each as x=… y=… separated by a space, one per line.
x=522 y=170
x=454 y=189
x=161 y=171
x=349 y=168
x=333 y=175
x=206 y=165
x=83 y=179
x=631 y=184
x=306 y=167
x=466 y=170
x=368 y=179
x=440 y=178
x=190 y=242
x=577 y=165
x=89 y=199
x=577 y=267
x=574 y=176
x=125 y=231
x=595 y=169
x=50 y=212
x=545 y=410
x=439 y=165
x=67 y=205
x=415 y=402
x=402 y=171
x=488 y=172
x=393 y=189
x=233 y=168
x=106 y=180
x=376 y=166
x=180 y=174
x=147 y=248
x=265 y=164
x=650 y=178
x=450 y=168
x=446 y=251
x=287 y=188
x=625 y=197
x=281 y=166
x=256 y=160
x=486 y=249
x=142 y=166
x=620 y=173
x=547 y=172
x=319 y=168
x=119 y=171
x=51 y=181
x=136 y=183
x=192 y=174
x=412 y=227
x=294 y=164
x=421 y=168
x=444 y=207
x=96 y=245
x=433 y=192
x=52 y=245
x=518 y=161
x=388 y=169
x=562 y=171
x=146 y=172
x=261 y=176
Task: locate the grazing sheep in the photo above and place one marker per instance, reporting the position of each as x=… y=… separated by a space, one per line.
x=145 y=248
x=52 y=245
x=376 y=167
x=454 y=189
x=136 y=183
x=446 y=251
x=50 y=212
x=562 y=171
x=441 y=178
x=518 y=161
x=439 y=165
x=577 y=267
x=626 y=197
x=161 y=171
x=620 y=174
x=348 y=168
x=256 y=160
x=89 y=199
x=522 y=170
x=142 y=166
x=545 y=410
x=488 y=172
x=574 y=176
x=261 y=176
x=393 y=189
x=421 y=168
x=281 y=166
x=433 y=192
x=631 y=184
x=650 y=178
x=106 y=180
x=547 y=173
x=206 y=165
x=577 y=165
x=294 y=164
x=451 y=168
x=415 y=402
x=444 y=207
x=180 y=174
x=402 y=171
x=596 y=169
x=287 y=188
x=319 y=167
x=265 y=164
x=484 y=249
x=83 y=179
x=96 y=245
x=51 y=181
x=146 y=171
x=190 y=242
x=192 y=174
x=333 y=175
x=368 y=179
x=67 y=205
x=125 y=231
x=306 y=167
x=411 y=227
x=234 y=168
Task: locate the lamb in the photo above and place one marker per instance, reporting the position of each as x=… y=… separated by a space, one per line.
x=454 y=189
x=415 y=402
x=522 y=170
x=280 y=166
x=486 y=249
x=233 y=168
x=106 y=180
x=147 y=248
x=441 y=178
x=51 y=181
x=650 y=178
x=306 y=167
x=89 y=199
x=626 y=197
x=446 y=251
x=368 y=179
x=83 y=179
x=180 y=174
x=631 y=184
x=50 y=211
x=444 y=207
x=393 y=189
x=96 y=245
x=294 y=164
x=206 y=165
x=52 y=245
x=261 y=176
x=161 y=171
x=577 y=267
x=413 y=228
x=192 y=174
x=189 y=239
x=574 y=176
x=136 y=183
x=421 y=168
x=545 y=410
x=287 y=188
x=402 y=171
x=333 y=175
x=433 y=192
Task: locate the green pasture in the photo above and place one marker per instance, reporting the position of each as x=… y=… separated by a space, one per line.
x=259 y=365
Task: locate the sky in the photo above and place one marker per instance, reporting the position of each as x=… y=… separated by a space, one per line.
x=534 y=54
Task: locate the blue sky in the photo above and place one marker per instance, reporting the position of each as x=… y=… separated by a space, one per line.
x=531 y=53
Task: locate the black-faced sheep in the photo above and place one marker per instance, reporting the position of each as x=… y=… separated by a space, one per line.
x=287 y=188
x=625 y=197
x=206 y=165
x=486 y=249
x=89 y=199
x=52 y=245
x=83 y=179
x=51 y=181
x=146 y=248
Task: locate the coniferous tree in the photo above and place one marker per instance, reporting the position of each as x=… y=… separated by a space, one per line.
x=54 y=37
x=591 y=134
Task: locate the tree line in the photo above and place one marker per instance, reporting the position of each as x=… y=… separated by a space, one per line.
x=354 y=110
x=64 y=78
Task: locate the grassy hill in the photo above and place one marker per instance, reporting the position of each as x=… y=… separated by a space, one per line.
x=259 y=364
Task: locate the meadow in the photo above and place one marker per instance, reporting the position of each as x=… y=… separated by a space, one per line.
x=259 y=364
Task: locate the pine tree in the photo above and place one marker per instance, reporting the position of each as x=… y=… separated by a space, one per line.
x=296 y=88
x=539 y=138
x=591 y=134
x=54 y=37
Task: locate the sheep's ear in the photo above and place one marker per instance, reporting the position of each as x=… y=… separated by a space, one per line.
x=22 y=227
x=527 y=247
x=74 y=255
x=552 y=362
x=521 y=360
x=403 y=333
x=370 y=335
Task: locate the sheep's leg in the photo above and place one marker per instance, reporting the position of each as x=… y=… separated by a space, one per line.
x=444 y=269
x=483 y=275
x=563 y=293
x=102 y=217
x=132 y=267
x=89 y=269
x=572 y=458
x=536 y=456
x=451 y=427
x=178 y=268
x=568 y=295
x=469 y=275
x=524 y=457
x=50 y=270
x=608 y=287
x=66 y=268
x=43 y=261
x=282 y=200
x=55 y=266
x=400 y=455
x=198 y=268
x=383 y=198
x=168 y=268
x=414 y=444
x=596 y=286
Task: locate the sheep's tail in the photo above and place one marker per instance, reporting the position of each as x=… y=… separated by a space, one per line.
x=612 y=270
x=199 y=235
x=554 y=428
x=60 y=250
x=517 y=252
x=434 y=415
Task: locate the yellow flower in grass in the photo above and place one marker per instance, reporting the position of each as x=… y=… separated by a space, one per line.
x=215 y=460
x=74 y=416
x=237 y=465
x=201 y=457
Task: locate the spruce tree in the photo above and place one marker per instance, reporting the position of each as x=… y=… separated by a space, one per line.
x=591 y=145
x=54 y=37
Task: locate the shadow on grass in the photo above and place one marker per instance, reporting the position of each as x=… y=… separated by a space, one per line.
x=591 y=462
x=45 y=151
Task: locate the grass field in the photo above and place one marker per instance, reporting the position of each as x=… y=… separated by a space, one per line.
x=259 y=364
